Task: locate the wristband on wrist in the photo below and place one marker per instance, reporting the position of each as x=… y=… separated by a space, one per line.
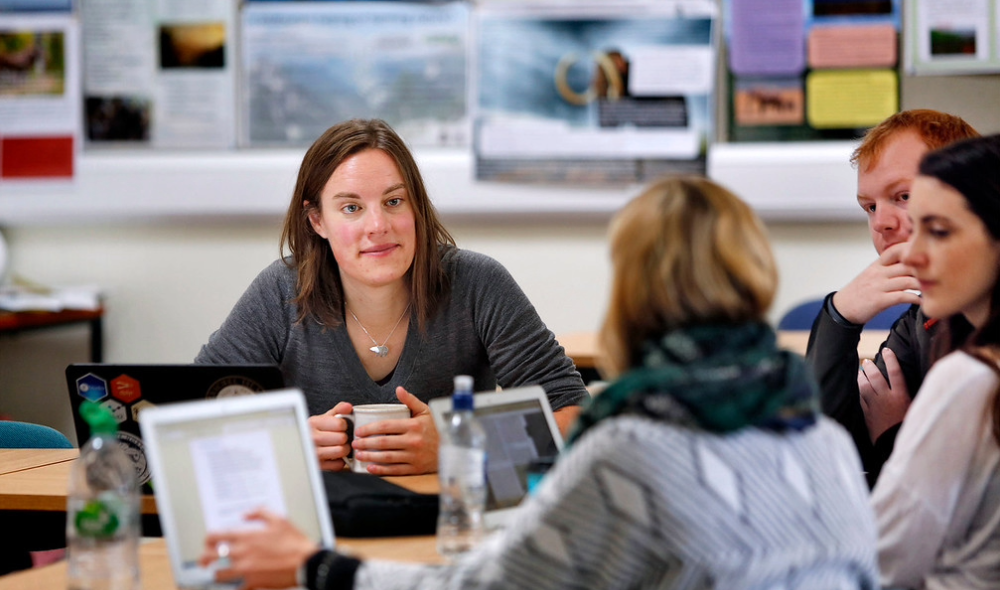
x=328 y=569
x=839 y=319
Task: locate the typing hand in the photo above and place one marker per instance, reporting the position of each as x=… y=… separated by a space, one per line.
x=880 y=286
x=329 y=434
x=406 y=447
x=264 y=557
x=884 y=402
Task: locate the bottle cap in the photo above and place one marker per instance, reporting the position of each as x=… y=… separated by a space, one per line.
x=99 y=418
x=463 y=383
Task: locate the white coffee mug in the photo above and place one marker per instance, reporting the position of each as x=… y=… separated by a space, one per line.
x=367 y=414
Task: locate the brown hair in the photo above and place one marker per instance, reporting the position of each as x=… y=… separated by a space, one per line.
x=684 y=252
x=320 y=293
x=935 y=128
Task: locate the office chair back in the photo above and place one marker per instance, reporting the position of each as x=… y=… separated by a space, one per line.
x=802 y=316
x=25 y=435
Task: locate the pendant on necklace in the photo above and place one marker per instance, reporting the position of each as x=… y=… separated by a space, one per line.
x=380 y=350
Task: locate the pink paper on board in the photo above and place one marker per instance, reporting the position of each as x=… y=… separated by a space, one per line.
x=767 y=38
x=853 y=47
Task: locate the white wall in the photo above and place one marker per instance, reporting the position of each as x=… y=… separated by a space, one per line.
x=168 y=286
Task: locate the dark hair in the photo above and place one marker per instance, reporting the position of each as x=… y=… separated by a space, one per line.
x=972 y=167
x=319 y=291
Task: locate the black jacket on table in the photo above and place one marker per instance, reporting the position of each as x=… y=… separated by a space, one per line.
x=833 y=354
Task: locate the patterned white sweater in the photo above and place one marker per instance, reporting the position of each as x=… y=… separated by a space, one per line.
x=641 y=504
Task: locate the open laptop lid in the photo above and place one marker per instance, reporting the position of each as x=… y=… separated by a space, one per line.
x=520 y=429
x=128 y=389
x=213 y=461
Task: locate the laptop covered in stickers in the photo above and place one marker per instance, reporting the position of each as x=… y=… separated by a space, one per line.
x=128 y=389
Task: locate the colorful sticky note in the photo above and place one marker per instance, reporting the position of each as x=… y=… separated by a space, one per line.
x=850 y=99
x=767 y=38
x=853 y=47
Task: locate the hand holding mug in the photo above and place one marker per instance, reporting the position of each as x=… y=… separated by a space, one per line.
x=363 y=422
x=329 y=434
x=399 y=447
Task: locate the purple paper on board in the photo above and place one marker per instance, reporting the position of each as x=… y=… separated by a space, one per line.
x=767 y=38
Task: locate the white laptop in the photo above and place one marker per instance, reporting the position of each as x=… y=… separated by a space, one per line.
x=520 y=429
x=213 y=461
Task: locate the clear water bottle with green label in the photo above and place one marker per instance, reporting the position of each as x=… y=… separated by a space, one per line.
x=462 y=473
x=102 y=511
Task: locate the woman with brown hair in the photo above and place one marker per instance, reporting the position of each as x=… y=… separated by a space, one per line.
x=375 y=304
x=704 y=465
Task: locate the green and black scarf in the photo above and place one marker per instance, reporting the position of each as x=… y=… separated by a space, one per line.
x=718 y=378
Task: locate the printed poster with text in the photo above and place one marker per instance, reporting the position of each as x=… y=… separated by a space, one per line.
x=39 y=96
x=159 y=73
x=818 y=69
x=309 y=65
x=593 y=92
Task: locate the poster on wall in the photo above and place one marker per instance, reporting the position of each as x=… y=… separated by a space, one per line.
x=174 y=86
x=39 y=96
x=308 y=65
x=593 y=92
x=819 y=69
x=952 y=37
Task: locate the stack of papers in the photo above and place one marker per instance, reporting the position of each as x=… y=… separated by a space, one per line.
x=20 y=298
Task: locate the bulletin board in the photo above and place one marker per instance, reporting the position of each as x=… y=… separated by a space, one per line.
x=813 y=70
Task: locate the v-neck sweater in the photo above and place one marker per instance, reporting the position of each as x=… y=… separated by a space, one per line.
x=486 y=327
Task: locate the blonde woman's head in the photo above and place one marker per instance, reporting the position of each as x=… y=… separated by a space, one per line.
x=685 y=252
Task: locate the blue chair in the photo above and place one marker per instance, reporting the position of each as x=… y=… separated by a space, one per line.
x=802 y=316
x=24 y=435
x=38 y=531
x=887 y=318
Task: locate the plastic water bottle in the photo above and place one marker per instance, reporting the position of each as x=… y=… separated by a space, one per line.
x=102 y=512
x=462 y=472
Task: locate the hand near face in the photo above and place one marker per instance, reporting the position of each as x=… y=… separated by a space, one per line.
x=406 y=447
x=266 y=557
x=329 y=434
x=884 y=402
x=880 y=286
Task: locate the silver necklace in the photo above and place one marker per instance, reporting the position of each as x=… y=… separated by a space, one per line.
x=380 y=350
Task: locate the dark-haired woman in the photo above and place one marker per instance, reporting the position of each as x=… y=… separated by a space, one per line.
x=937 y=502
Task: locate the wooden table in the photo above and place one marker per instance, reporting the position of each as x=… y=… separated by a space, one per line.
x=154 y=563
x=12 y=460
x=12 y=322
x=38 y=480
x=45 y=486
x=582 y=347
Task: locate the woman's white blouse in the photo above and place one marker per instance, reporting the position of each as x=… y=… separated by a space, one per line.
x=937 y=501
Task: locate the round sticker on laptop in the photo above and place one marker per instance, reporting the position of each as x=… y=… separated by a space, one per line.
x=136 y=451
x=232 y=387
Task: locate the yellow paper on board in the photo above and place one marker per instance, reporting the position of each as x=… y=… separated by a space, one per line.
x=848 y=99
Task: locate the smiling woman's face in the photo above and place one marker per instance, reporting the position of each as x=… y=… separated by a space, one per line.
x=367 y=217
x=951 y=252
